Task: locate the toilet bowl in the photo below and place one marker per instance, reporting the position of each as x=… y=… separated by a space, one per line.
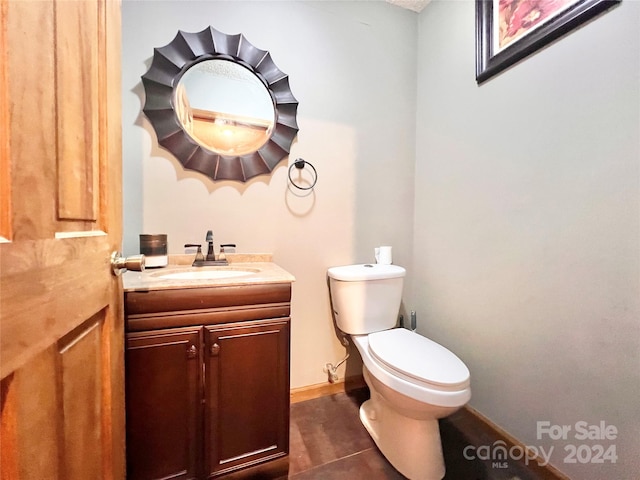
x=413 y=380
x=402 y=414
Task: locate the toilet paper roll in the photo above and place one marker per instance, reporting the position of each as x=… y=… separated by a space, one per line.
x=383 y=255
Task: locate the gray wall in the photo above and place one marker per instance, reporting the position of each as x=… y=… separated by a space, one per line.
x=527 y=236
x=352 y=67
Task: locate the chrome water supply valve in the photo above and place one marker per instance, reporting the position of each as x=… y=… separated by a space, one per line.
x=332 y=370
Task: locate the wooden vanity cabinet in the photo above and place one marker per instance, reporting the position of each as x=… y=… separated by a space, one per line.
x=207 y=386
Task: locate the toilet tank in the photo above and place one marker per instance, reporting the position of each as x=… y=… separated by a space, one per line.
x=366 y=298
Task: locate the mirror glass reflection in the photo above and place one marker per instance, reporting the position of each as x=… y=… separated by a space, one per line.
x=224 y=107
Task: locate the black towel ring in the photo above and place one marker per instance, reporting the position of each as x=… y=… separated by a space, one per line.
x=300 y=164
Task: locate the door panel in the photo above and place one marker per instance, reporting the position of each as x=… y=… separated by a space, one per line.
x=79 y=376
x=61 y=316
x=38 y=417
x=77 y=88
x=5 y=162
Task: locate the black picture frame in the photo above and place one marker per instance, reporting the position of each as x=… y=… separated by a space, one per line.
x=490 y=63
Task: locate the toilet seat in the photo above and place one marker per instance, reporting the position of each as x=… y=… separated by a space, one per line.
x=418 y=359
x=406 y=385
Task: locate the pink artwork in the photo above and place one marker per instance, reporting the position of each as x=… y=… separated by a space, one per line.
x=508 y=31
x=519 y=17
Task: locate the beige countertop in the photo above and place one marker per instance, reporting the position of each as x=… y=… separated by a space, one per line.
x=256 y=268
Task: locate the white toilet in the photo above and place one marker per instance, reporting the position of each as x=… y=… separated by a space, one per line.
x=413 y=380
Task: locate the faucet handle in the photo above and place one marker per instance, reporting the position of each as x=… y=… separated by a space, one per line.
x=199 y=256
x=209 y=236
x=223 y=254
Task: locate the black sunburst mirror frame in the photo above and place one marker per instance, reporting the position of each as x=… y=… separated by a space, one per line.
x=173 y=60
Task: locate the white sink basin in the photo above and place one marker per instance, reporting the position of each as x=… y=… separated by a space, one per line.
x=202 y=273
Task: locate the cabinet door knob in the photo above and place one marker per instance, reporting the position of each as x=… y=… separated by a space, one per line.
x=192 y=351
x=215 y=349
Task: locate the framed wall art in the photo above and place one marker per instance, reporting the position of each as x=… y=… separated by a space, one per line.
x=509 y=30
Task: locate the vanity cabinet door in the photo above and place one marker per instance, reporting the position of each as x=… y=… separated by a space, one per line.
x=246 y=394
x=164 y=403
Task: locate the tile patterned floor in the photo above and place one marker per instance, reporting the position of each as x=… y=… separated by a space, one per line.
x=328 y=442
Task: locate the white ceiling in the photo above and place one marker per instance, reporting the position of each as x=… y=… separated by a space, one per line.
x=415 y=5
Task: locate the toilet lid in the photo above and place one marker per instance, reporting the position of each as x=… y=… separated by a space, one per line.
x=418 y=357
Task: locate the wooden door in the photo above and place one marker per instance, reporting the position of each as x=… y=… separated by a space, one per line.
x=247 y=394
x=61 y=318
x=164 y=403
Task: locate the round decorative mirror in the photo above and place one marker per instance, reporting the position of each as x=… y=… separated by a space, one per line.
x=220 y=105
